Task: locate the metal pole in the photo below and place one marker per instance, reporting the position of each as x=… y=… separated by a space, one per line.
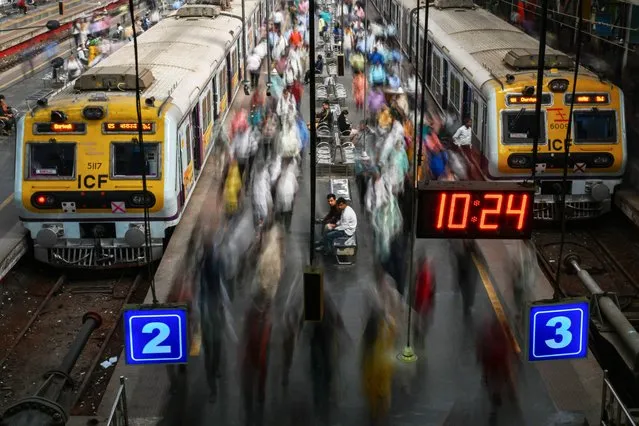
x=540 y=85
x=268 y=47
x=626 y=39
x=609 y=310
x=408 y=355
x=311 y=98
x=567 y=142
x=244 y=41
x=425 y=58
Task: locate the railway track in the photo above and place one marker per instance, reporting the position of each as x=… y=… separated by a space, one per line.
x=36 y=339
x=609 y=251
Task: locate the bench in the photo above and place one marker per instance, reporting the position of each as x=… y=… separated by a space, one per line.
x=345 y=249
x=341 y=188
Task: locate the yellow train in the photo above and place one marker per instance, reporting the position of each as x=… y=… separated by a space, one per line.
x=78 y=164
x=486 y=69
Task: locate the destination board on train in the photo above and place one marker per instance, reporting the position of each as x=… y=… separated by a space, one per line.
x=474 y=210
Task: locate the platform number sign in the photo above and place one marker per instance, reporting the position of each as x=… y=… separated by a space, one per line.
x=558 y=331
x=155 y=335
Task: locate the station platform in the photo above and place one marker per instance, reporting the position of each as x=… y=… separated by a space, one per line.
x=444 y=387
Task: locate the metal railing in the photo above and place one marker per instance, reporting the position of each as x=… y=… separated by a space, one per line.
x=119 y=415
x=613 y=410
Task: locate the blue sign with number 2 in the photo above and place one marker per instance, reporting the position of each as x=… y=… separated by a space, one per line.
x=155 y=336
x=558 y=331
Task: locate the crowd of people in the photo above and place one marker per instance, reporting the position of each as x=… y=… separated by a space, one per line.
x=266 y=143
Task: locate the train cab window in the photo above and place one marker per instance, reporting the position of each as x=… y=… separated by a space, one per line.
x=127 y=159
x=519 y=127
x=51 y=160
x=594 y=126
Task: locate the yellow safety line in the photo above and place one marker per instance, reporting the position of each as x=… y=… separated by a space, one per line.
x=7 y=201
x=497 y=306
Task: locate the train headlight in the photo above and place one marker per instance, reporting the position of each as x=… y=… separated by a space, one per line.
x=142 y=200
x=602 y=161
x=558 y=85
x=519 y=161
x=40 y=200
x=93 y=113
x=49 y=234
x=134 y=236
x=598 y=191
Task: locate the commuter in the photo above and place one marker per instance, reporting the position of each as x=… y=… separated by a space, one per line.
x=253 y=65
x=345 y=226
x=278 y=18
x=7 y=116
x=463 y=135
x=213 y=298
x=343 y=124
x=465 y=274
x=325 y=116
x=359 y=89
x=494 y=353
x=347 y=44
x=286 y=190
x=319 y=65
x=325 y=336
x=75 y=31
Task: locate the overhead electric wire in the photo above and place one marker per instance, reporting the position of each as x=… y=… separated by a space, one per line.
x=541 y=59
x=512 y=4
x=567 y=153
x=143 y=161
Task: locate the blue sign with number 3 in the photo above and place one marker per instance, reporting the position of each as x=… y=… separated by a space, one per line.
x=558 y=331
x=155 y=336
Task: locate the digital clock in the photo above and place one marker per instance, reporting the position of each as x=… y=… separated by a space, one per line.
x=475 y=210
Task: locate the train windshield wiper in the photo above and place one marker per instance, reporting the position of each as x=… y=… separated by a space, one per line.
x=513 y=123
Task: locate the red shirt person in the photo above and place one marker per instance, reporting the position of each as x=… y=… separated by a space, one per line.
x=295 y=38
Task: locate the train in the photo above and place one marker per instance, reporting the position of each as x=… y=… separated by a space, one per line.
x=483 y=68
x=78 y=179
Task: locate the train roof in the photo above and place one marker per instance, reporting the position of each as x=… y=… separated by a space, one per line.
x=180 y=52
x=482 y=43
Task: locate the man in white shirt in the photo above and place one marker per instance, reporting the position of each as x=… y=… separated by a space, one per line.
x=463 y=135
x=278 y=17
x=345 y=226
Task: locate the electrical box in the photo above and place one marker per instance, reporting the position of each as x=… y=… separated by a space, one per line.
x=313 y=294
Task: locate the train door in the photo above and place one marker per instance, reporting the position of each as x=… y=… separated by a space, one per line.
x=429 y=63
x=454 y=94
x=467 y=99
x=222 y=91
x=229 y=75
x=186 y=153
x=436 y=77
x=206 y=120
x=196 y=138
x=444 y=84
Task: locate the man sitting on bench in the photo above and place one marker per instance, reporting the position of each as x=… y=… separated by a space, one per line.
x=345 y=227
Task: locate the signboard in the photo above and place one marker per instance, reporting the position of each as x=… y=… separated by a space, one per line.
x=130 y=127
x=558 y=330
x=474 y=210
x=156 y=334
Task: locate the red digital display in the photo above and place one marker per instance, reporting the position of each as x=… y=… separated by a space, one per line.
x=474 y=210
x=127 y=127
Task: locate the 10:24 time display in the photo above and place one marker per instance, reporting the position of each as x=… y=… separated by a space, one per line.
x=466 y=212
